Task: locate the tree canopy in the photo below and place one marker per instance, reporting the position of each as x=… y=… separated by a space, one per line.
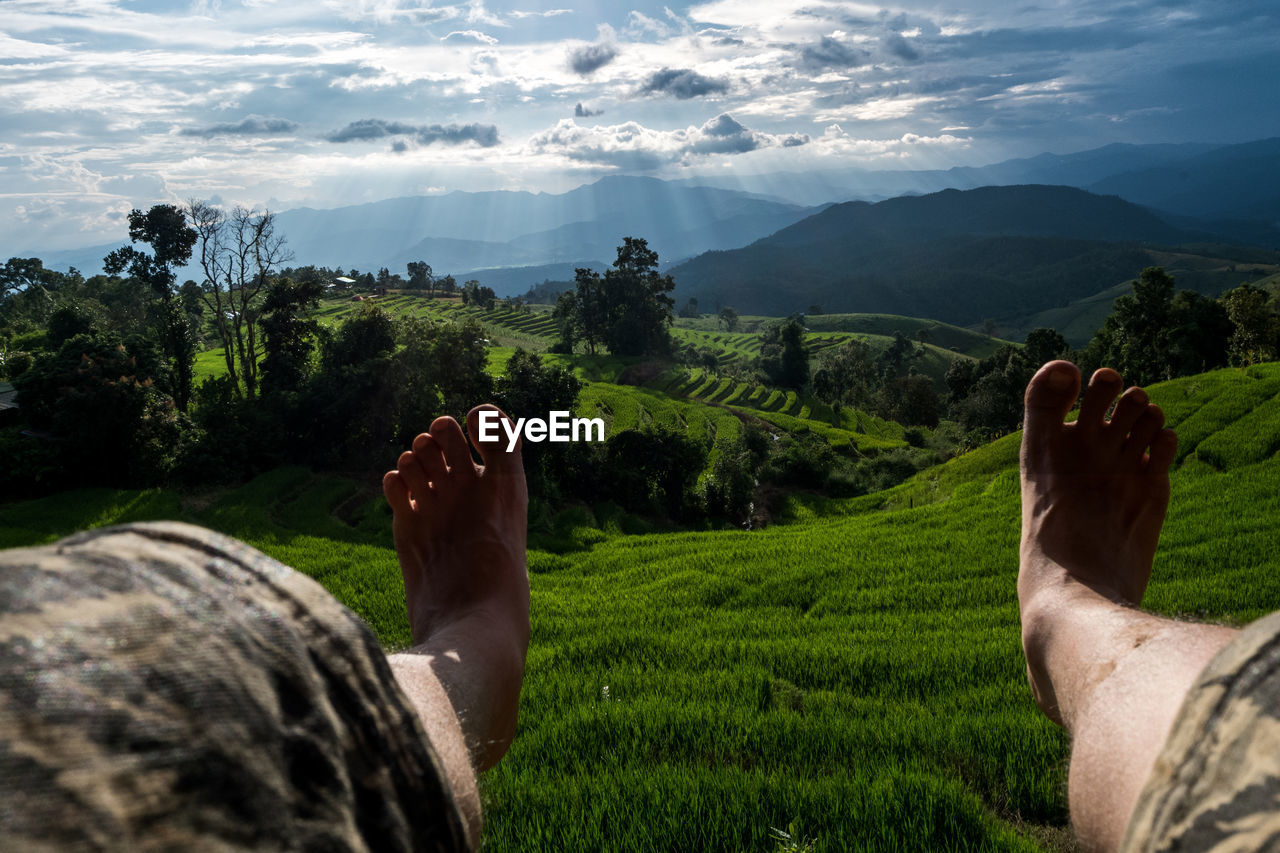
x=627 y=310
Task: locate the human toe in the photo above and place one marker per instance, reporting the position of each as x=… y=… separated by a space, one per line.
x=453 y=445
x=1132 y=406
x=413 y=476
x=396 y=492
x=494 y=451
x=429 y=455
x=1164 y=449
x=1104 y=385
x=1141 y=434
x=1050 y=395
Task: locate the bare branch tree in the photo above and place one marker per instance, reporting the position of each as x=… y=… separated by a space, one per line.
x=210 y=223
x=239 y=253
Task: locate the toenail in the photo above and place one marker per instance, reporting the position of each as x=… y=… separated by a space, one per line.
x=1059 y=380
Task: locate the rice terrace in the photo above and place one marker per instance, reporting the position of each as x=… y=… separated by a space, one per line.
x=847 y=677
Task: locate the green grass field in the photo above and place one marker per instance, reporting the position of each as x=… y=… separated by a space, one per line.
x=856 y=672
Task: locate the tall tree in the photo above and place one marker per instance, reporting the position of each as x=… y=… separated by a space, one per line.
x=163 y=228
x=847 y=374
x=729 y=317
x=420 y=277
x=784 y=355
x=289 y=331
x=638 y=300
x=1255 y=327
x=1135 y=337
x=239 y=253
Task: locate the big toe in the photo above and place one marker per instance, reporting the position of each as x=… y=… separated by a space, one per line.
x=1050 y=395
x=488 y=426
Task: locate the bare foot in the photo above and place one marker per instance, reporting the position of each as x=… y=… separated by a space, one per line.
x=460 y=532
x=1094 y=496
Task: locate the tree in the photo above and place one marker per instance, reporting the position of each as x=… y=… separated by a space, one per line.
x=583 y=313
x=164 y=228
x=784 y=355
x=530 y=388
x=847 y=374
x=628 y=309
x=690 y=309
x=239 y=253
x=348 y=412
x=729 y=317
x=654 y=469
x=638 y=305
x=29 y=292
x=912 y=401
x=420 y=277
x=100 y=400
x=1200 y=335
x=1135 y=337
x=987 y=396
x=289 y=331
x=474 y=293
x=1255 y=327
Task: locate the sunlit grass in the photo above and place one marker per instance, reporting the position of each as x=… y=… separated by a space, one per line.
x=857 y=675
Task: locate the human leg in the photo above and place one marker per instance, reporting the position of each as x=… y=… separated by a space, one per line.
x=163 y=685
x=1094 y=495
x=460 y=533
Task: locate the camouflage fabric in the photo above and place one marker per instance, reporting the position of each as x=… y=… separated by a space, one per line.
x=1216 y=784
x=163 y=687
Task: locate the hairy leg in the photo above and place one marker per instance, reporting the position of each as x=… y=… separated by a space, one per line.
x=1094 y=496
x=460 y=532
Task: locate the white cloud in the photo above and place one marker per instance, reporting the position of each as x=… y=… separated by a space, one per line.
x=632 y=145
x=471 y=35
x=549 y=13
x=836 y=142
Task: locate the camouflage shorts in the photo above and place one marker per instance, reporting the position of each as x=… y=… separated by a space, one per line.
x=165 y=687
x=1216 y=784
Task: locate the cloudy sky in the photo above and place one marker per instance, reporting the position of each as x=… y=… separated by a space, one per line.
x=111 y=104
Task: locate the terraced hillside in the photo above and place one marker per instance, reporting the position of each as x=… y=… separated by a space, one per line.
x=944 y=335
x=855 y=675
x=696 y=400
x=785 y=410
x=530 y=327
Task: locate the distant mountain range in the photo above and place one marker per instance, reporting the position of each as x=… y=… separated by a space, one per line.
x=961 y=257
x=512 y=240
x=464 y=232
x=1224 y=182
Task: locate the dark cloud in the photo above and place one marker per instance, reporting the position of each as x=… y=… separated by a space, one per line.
x=370 y=128
x=484 y=135
x=682 y=83
x=726 y=135
x=1060 y=40
x=898 y=46
x=830 y=53
x=592 y=57
x=249 y=126
x=579 y=111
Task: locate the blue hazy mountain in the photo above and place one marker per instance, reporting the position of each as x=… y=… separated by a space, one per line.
x=1240 y=182
x=461 y=231
x=960 y=256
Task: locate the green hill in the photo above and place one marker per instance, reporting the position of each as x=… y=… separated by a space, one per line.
x=856 y=672
x=944 y=335
x=960 y=257
x=1211 y=276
